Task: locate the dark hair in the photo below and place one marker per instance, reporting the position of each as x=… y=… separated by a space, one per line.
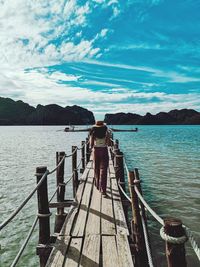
x=99 y=132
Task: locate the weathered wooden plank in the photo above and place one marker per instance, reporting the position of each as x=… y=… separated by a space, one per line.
x=120 y=220
x=80 y=224
x=111 y=170
x=73 y=253
x=83 y=179
x=57 y=255
x=91 y=251
x=107 y=216
x=70 y=220
x=109 y=252
x=93 y=221
x=124 y=253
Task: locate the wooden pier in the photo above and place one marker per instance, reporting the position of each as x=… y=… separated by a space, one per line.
x=95 y=232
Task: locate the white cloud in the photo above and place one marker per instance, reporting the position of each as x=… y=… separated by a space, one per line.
x=132 y=46
x=116 y=12
x=71 y=52
x=168 y=103
x=111 y=2
x=121 y=66
x=169 y=76
x=42 y=87
x=103 y=32
x=30 y=32
x=105 y=84
x=180 y=78
x=59 y=76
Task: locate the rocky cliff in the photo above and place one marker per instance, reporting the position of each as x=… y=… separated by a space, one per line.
x=183 y=116
x=19 y=113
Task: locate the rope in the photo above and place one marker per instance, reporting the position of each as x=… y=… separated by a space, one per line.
x=69 y=179
x=192 y=241
x=146 y=239
x=188 y=232
x=158 y=218
x=124 y=193
x=70 y=155
x=79 y=164
x=126 y=167
x=172 y=239
x=87 y=141
x=9 y=219
x=65 y=183
x=14 y=263
x=79 y=148
x=41 y=215
x=66 y=156
x=58 y=165
x=54 y=194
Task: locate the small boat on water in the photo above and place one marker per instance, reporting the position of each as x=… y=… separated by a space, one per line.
x=73 y=129
x=124 y=130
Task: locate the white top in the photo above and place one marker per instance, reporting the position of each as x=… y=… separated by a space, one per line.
x=100 y=142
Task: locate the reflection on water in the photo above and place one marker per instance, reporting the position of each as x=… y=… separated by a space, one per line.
x=168 y=158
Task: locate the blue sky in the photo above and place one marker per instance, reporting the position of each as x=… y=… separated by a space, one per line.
x=105 y=55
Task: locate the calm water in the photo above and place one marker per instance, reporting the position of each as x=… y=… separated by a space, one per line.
x=168 y=158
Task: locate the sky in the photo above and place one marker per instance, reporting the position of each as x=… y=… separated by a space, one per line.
x=107 y=56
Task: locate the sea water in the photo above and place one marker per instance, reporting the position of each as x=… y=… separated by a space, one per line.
x=168 y=159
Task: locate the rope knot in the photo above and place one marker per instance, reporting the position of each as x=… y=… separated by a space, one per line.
x=40 y=215
x=172 y=239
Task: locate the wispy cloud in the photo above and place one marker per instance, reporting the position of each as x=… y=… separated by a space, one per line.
x=38 y=33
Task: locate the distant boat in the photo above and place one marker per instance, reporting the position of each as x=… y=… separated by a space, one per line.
x=124 y=130
x=69 y=128
x=72 y=129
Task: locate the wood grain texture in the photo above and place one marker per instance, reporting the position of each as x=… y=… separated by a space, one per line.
x=120 y=219
x=57 y=255
x=109 y=252
x=94 y=216
x=107 y=216
x=73 y=253
x=80 y=224
x=124 y=253
x=91 y=251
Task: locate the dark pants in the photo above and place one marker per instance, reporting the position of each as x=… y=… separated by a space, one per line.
x=101 y=160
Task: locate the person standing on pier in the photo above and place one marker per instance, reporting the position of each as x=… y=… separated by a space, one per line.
x=99 y=139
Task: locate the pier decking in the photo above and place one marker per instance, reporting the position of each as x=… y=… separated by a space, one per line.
x=95 y=232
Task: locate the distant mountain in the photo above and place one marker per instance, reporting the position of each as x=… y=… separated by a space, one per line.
x=183 y=116
x=19 y=113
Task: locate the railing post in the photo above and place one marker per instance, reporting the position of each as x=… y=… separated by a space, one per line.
x=43 y=248
x=138 y=183
x=61 y=215
x=87 y=150
x=116 y=144
x=136 y=225
x=111 y=143
x=119 y=172
x=119 y=169
x=74 y=170
x=175 y=253
x=83 y=156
